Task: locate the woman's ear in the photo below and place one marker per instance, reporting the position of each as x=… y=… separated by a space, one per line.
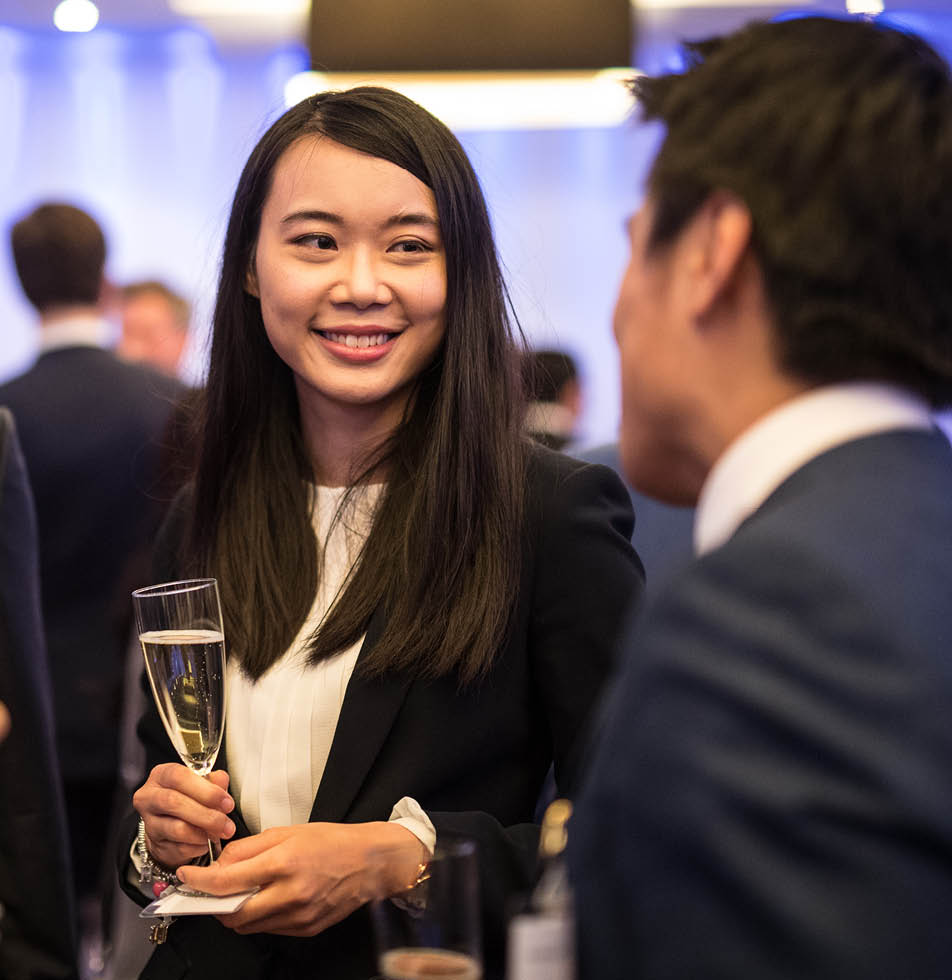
x=251 y=280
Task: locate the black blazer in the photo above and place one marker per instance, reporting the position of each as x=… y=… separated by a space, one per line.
x=772 y=793
x=474 y=760
x=38 y=931
x=91 y=428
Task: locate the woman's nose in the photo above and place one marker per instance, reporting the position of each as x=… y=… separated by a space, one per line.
x=361 y=282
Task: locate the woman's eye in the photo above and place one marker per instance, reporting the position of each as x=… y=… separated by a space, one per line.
x=321 y=241
x=411 y=246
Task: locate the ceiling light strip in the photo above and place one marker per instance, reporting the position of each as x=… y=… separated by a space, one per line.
x=495 y=100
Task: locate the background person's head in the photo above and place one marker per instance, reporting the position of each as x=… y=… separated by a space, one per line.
x=60 y=254
x=155 y=323
x=814 y=154
x=554 y=395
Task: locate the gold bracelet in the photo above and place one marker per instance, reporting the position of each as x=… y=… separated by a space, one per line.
x=422 y=874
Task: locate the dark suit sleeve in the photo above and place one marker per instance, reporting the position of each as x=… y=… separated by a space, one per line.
x=584 y=578
x=36 y=887
x=767 y=787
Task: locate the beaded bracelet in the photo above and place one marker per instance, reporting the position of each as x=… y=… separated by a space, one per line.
x=151 y=871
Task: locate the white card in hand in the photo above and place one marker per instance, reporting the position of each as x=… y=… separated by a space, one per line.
x=183 y=901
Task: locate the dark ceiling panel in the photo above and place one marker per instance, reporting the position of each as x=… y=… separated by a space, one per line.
x=444 y=35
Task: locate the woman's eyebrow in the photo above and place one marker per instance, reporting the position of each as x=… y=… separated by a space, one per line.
x=411 y=218
x=327 y=216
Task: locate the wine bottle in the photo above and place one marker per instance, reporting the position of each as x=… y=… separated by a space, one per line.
x=542 y=935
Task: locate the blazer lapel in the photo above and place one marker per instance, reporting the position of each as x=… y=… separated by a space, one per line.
x=366 y=717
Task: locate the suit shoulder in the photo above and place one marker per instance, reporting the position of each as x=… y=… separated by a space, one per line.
x=549 y=468
x=567 y=497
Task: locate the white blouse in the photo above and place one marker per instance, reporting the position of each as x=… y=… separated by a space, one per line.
x=280 y=728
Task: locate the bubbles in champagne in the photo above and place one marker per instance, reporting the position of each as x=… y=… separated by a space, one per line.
x=186 y=671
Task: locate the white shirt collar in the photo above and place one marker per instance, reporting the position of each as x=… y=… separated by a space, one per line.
x=777 y=445
x=84 y=330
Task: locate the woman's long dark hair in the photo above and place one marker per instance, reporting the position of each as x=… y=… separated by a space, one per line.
x=443 y=556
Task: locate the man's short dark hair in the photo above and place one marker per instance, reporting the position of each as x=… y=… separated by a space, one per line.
x=546 y=373
x=837 y=136
x=60 y=253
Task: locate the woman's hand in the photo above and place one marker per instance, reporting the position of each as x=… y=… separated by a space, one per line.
x=310 y=875
x=181 y=811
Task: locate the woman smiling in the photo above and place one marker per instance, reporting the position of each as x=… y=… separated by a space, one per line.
x=420 y=607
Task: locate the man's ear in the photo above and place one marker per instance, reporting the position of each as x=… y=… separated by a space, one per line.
x=720 y=236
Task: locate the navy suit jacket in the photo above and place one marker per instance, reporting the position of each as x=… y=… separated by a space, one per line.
x=91 y=427
x=474 y=759
x=771 y=794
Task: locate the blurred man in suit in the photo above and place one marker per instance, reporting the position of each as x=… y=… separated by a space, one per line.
x=37 y=925
x=771 y=792
x=90 y=426
x=554 y=397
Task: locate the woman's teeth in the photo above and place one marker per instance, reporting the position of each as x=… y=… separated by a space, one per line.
x=352 y=340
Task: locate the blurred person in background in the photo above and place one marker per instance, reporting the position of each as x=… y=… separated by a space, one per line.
x=771 y=793
x=90 y=426
x=664 y=533
x=37 y=912
x=155 y=323
x=554 y=395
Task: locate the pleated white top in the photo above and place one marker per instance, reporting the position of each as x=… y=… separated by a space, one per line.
x=280 y=728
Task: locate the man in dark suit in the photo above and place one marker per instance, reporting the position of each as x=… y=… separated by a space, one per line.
x=771 y=791
x=37 y=927
x=91 y=427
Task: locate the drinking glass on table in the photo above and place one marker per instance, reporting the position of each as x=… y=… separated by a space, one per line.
x=433 y=929
x=183 y=642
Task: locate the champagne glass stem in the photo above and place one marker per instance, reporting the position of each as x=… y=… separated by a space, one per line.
x=214 y=845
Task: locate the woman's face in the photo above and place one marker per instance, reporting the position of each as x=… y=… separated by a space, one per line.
x=351 y=275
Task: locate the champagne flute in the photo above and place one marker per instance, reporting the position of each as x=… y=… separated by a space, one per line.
x=183 y=643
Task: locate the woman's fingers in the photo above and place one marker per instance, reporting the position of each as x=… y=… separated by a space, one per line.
x=181 y=810
x=220 y=778
x=249 y=847
x=310 y=875
x=173 y=791
x=224 y=878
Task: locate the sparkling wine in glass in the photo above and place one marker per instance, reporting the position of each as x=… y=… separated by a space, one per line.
x=183 y=643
